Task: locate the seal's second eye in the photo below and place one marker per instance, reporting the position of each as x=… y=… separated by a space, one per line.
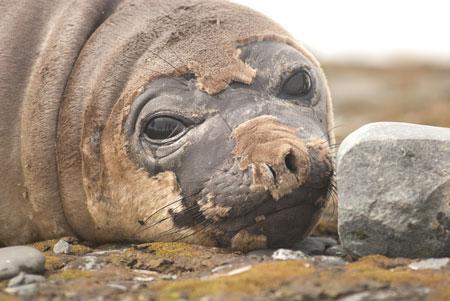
x=299 y=84
x=163 y=127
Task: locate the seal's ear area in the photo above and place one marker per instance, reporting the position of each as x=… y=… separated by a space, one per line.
x=277 y=157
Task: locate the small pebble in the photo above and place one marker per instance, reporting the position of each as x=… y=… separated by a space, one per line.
x=311 y=246
x=329 y=260
x=62 y=247
x=15 y=259
x=91 y=263
x=117 y=286
x=26 y=291
x=327 y=240
x=261 y=253
x=285 y=254
x=430 y=263
x=144 y=279
x=146 y=272
x=239 y=270
x=168 y=277
x=221 y=267
x=24 y=278
x=337 y=250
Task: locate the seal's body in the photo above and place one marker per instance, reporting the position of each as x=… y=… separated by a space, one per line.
x=141 y=120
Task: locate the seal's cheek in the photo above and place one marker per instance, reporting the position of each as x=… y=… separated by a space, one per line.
x=277 y=158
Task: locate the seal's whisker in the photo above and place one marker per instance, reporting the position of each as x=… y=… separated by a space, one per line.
x=186 y=210
x=195 y=232
x=327 y=133
x=167 y=205
x=163 y=59
x=226 y=123
x=176 y=56
x=174 y=230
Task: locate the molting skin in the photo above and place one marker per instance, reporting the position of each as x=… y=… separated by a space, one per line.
x=252 y=162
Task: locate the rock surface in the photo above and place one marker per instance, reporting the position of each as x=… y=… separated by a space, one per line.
x=286 y=254
x=394 y=190
x=62 y=247
x=315 y=245
x=430 y=263
x=24 y=278
x=14 y=260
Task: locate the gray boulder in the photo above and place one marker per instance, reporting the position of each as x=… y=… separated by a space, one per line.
x=14 y=260
x=394 y=190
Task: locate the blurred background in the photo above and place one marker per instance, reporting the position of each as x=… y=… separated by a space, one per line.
x=384 y=60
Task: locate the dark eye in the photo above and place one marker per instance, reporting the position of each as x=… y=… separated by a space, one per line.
x=163 y=127
x=299 y=84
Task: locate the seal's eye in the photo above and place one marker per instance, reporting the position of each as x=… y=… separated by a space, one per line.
x=299 y=84
x=163 y=127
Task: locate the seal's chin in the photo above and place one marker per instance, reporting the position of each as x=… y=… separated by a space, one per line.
x=276 y=223
x=284 y=227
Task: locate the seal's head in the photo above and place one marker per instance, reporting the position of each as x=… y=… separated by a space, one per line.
x=207 y=124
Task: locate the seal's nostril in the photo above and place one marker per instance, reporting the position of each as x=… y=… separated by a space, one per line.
x=289 y=160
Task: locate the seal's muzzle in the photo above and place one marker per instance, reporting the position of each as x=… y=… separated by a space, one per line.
x=278 y=159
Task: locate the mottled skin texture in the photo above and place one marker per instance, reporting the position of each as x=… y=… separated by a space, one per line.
x=208 y=160
x=252 y=168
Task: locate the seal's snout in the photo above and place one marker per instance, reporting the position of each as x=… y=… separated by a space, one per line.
x=277 y=158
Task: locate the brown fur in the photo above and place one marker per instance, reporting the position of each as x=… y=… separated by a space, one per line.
x=73 y=68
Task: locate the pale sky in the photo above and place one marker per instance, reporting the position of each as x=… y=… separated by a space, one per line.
x=364 y=29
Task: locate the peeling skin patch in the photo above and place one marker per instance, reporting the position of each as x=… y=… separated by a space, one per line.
x=235 y=70
x=211 y=210
x=276 y=156
x=245 y=241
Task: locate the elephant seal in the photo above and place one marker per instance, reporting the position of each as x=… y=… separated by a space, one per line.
x=148 y=120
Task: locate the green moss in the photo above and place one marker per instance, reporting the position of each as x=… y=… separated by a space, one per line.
x=45 y=245
x=71 y=274
x=388 y=270
x=53 y=262
x=80 y=249
x=372 y=271
x=173 y=249
x=123 y=257
x=264 y=276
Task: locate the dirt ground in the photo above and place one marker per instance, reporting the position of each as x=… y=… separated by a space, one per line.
x=176 y=271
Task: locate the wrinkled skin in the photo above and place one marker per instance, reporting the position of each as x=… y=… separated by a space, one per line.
x=219 y=192
x=91 y=91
